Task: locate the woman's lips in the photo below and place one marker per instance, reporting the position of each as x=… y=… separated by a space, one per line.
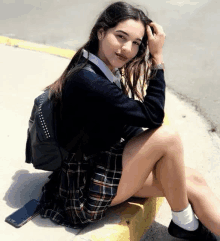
x=120 y=57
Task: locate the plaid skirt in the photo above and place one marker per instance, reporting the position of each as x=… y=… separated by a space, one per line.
x=81 y=192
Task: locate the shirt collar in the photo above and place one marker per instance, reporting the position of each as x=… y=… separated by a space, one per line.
x=103 y=67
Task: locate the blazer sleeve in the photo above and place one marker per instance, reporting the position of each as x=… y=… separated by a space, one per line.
x=149 y=113
x=131 y=131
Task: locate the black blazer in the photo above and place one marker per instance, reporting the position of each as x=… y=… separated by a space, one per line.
x=92 y=102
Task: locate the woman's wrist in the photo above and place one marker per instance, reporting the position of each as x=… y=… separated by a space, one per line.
x=156 y=60
x=157 y=63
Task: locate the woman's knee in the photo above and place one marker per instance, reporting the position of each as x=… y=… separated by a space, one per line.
x=169 y=138
x=164 y=138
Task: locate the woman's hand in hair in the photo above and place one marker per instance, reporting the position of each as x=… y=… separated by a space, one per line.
x=155 y=42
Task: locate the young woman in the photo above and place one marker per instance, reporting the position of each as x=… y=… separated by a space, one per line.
x=118 y=159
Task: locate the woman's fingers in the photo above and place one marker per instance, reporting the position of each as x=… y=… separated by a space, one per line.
x=154 y=26
x=149 y=32
x=156 y=40
x=158 y=29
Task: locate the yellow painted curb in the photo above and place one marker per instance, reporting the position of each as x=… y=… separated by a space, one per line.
x=136 y=214
x=66 y=53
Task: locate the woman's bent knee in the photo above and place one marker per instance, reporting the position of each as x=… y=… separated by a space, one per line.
x=168 y=137
x=164 y=134
x=168 y=133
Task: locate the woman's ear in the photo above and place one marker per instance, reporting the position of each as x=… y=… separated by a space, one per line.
x=100 y=34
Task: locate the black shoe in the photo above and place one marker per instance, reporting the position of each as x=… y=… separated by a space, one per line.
x=200 y=234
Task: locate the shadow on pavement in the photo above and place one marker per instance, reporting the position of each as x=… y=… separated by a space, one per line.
x=158 y=232
x=25 y=186
x=47 y=223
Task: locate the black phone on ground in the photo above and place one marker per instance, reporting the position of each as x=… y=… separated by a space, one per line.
x=24 y=214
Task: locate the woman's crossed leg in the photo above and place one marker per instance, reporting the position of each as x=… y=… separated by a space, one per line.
x=153 y=166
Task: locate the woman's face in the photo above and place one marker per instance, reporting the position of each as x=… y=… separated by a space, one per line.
x=123 y=39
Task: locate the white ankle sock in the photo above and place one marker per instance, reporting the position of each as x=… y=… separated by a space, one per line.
x=186 y=219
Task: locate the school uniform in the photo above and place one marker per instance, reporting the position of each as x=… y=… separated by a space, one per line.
x=82 y=190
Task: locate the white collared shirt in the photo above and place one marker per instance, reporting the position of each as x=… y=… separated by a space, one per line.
x=104 y=68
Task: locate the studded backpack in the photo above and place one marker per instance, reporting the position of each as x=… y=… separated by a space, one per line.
x=42 y=148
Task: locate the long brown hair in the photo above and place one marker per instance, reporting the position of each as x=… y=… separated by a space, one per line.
x=131 y=71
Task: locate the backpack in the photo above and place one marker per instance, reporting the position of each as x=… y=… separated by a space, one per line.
x=42 y=148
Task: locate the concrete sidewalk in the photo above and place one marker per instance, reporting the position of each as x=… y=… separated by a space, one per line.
x=24 y=74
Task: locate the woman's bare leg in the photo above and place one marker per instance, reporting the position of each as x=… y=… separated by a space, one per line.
x=204 y=202
x=161 y=147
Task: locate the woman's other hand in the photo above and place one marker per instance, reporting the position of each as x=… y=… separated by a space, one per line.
x=155 y=42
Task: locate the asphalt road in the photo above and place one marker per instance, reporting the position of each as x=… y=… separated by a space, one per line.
x=190 y=50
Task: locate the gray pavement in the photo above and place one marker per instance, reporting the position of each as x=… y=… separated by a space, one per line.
x=190 y=50
x=24 y=74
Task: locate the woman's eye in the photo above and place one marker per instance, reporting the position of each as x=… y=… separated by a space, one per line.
x=120 y=36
